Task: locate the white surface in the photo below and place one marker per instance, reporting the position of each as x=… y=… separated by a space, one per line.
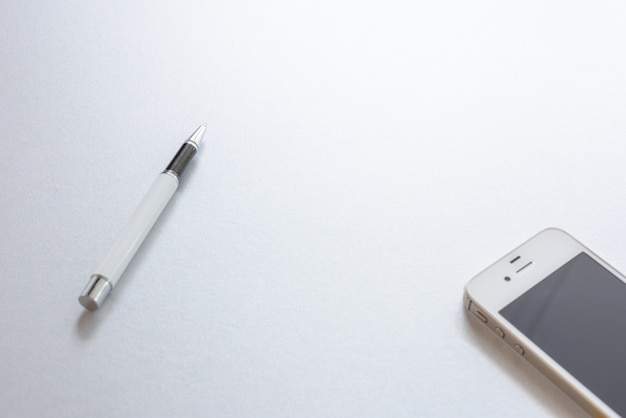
x=363 y=160
x=137 y=228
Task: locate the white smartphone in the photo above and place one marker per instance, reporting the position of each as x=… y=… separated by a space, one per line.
x=563 y=309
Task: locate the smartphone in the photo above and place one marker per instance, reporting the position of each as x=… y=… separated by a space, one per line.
x=563 y=309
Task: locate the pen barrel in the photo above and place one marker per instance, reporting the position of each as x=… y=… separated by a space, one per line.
x=137 y=228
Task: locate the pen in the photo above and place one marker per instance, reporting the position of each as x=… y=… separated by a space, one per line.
x=106 y=276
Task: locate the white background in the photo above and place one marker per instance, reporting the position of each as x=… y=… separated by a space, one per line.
x=363 y=161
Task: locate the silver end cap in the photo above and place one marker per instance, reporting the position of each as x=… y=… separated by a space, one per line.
x=95 y=293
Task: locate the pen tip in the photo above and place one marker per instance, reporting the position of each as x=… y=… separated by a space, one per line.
x=197 y=136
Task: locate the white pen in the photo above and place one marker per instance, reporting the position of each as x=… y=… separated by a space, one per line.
x=108 y=273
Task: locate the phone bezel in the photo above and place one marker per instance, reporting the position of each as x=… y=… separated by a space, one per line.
x=488 y=292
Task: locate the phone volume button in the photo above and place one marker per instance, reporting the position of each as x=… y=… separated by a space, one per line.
x=480 y=316
x=499 y=332
x=519 y=349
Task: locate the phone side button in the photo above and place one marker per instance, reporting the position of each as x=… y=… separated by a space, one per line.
x=499 y=332
x=480 y=316
x=519 y=349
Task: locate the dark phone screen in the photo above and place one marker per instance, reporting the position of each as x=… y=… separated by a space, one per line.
x=577 y=315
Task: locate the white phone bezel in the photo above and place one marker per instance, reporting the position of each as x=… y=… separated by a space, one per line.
x=488 y=292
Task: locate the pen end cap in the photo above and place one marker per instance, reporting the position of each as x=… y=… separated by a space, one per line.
x=95 y=293
x=88 y=303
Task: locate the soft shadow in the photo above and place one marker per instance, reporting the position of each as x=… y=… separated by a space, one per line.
x=88 y=322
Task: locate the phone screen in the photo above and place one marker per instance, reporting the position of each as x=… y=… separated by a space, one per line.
x=577 y=315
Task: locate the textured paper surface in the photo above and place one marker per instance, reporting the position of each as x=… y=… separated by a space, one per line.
x=362 y=162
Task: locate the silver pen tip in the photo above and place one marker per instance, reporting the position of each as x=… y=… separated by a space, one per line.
x=197 y=136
